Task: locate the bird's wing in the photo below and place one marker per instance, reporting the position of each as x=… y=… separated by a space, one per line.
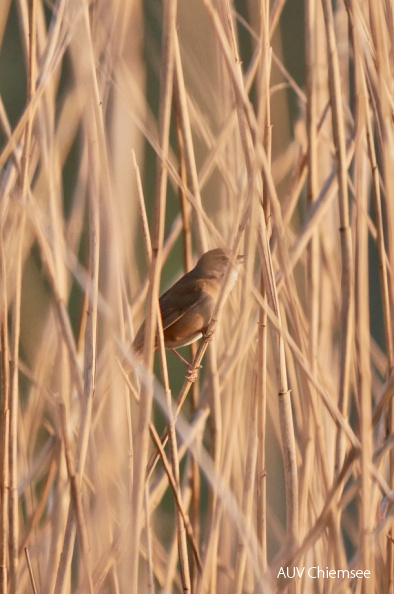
x=179 y=300
x=174 y=304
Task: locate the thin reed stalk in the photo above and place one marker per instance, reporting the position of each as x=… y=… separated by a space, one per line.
x=134 y=137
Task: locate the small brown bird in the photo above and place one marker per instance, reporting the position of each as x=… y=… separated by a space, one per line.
x=187 y=307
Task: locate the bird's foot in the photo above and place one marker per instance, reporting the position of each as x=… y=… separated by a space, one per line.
x=181 y=358
x=188 y=365
x=192 y=374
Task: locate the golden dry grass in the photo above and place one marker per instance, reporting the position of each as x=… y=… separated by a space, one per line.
x=150 y=134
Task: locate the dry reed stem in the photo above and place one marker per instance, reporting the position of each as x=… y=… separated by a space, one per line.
x=32 y=580
x=150 y=585
x=247 y=495
x=90 y=339
x=16 y=319
x=252 y=174
x=142 y=209
x=181 y=532
x=384 y=117
x=177 y=496
x=188 y=264
x=347 y=311
x=362 y=315
x=189 y=156
x=4 y=447
x=75 y=496
x=145 y=407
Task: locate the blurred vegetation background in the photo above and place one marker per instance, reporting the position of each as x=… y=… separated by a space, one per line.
x=279 y=124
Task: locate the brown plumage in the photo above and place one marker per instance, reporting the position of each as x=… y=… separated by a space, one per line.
x=187 y=307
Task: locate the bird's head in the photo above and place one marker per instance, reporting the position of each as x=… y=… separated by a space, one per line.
x=213 y=264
